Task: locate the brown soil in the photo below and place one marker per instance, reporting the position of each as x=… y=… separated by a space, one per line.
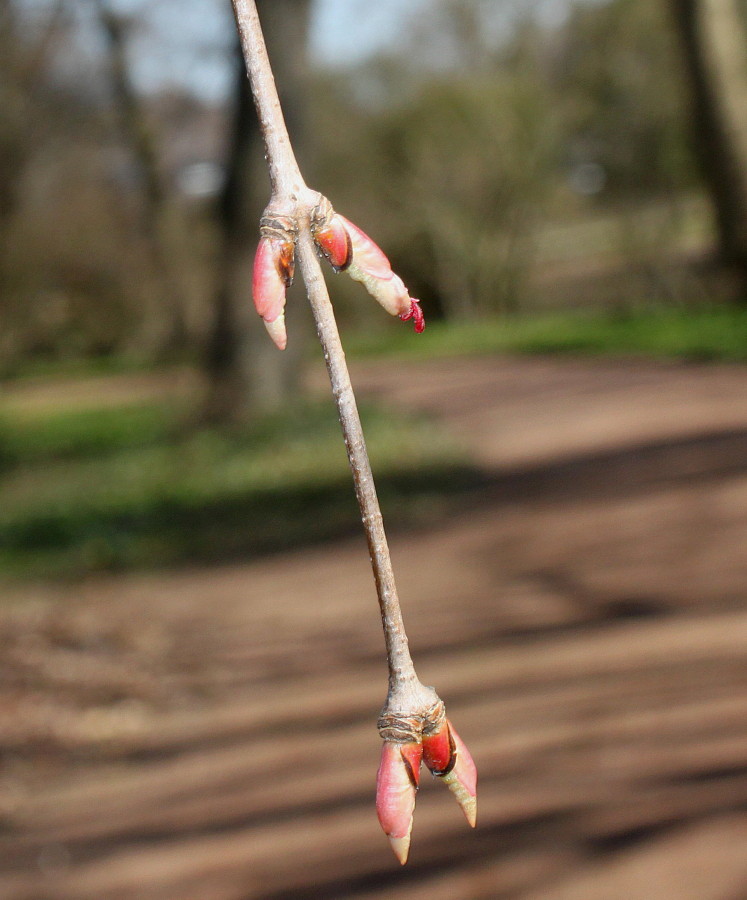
x=211 y=734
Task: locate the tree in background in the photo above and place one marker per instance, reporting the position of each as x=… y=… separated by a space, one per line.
x=245 y=373
x=620 y=105
x=22 y=64
x=165 y=330
x=714 y=42
x=88 y=266
x=456 y=166
x=23 y=55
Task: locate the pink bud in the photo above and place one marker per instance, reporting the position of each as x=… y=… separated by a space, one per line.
x=396 y=785
x=368 y=264
x=461 y=778
x=273 y=273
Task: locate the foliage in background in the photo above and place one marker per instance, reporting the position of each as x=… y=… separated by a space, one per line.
x=619 y=79
x=462 y=174
x=493 y=126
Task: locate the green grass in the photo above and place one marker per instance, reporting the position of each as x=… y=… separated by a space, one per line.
x=31 y=439
x=133 y=487
x=707 y=333
x=113 y=489
x=79 y=367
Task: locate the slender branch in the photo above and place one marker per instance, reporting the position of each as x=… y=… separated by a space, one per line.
x=285 y=176
x=289 y=193
x=413 y=722
x=401 y=668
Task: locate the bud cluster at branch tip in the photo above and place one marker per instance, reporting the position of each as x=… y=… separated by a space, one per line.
x=398 y=779
x=344 y=246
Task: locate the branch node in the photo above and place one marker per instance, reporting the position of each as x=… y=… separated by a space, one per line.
x=278 y=226
x=405 y=728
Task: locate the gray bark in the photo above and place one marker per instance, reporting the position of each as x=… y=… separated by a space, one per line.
x=714 y=42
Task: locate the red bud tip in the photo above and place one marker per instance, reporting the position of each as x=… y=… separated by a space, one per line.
x=462 y=778
x=416 y=314
x=396 y=786
x=273 y=272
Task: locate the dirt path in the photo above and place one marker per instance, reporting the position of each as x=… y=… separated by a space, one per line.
x=210 y=735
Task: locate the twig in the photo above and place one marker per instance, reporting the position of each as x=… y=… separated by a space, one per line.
x=401 y=669
x=295 y=219
x=291 y=197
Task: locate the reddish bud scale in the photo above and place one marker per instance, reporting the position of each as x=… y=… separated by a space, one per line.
x=334 y=242
x=286 y=262
x=349 y=248
x=366 y=252
x=438 y=751
x=396 y=786
x=273 y=272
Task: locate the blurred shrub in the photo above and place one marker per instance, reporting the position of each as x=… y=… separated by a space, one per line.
x=455 y=151
x=469 y=166
x=618 y=79
x=450 y=181
x=456 y=165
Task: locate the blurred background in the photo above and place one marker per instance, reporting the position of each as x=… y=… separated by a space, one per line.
x=191 y=659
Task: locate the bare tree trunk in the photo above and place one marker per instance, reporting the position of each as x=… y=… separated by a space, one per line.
x=245 y=371
x=167 y=328
x=24 y=57
x=714 y=42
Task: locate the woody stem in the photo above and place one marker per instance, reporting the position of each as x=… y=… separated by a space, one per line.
x=291 y=195
x=285 y=176
x=401 y=669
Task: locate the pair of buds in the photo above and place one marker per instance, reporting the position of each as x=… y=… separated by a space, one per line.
x=445 y=754
x=344 y=246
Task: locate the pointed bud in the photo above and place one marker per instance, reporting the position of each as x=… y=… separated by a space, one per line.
x=273 y=273
x=348 y=248
x=276 y=330
x=396 y=785
x=370 y=266
x=459 y=773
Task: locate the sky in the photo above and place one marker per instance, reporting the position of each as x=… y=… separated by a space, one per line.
x=343 y=32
